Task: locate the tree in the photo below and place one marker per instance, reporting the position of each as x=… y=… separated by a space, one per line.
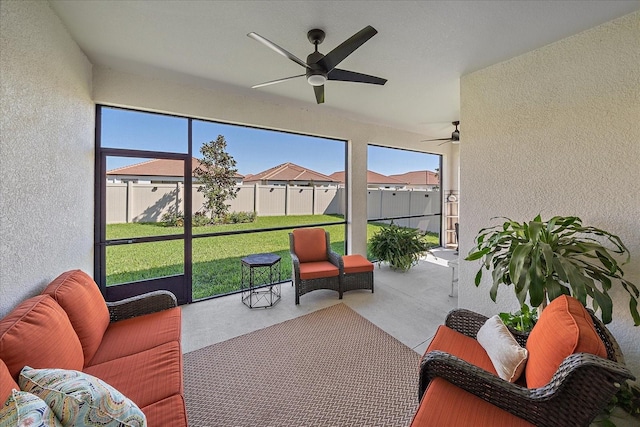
x=217 y=172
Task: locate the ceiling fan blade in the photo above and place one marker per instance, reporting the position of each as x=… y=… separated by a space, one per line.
x=319 y=91
x=271 y=45
x=272 y=82
x=352 y=76
x=448 y=140
x=333 y=58
x=438 y=139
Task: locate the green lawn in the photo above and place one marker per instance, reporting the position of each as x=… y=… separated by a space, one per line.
x=216 y=260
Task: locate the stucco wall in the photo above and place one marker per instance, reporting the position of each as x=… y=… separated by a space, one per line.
x=555 y=131
x=46 y=152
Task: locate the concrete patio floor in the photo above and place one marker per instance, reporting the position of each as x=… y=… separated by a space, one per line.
x=409 y=306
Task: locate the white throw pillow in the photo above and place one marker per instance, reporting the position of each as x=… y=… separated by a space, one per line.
x=505 y=353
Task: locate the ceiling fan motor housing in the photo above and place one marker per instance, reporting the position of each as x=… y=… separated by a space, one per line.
x=316 y=76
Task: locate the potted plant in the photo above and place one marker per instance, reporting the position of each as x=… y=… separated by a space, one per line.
x=546 y=259
x=522 y=320
x=401 y=247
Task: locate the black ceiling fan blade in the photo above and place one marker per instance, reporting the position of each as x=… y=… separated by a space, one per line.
x=319 y=91
x=333 y=58
x=272 y=82
x=271 y=45
x=352 y=76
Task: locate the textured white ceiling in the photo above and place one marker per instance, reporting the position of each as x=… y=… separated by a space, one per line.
x=422 y=47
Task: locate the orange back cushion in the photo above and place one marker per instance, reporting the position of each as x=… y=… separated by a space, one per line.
x=81 y=299
x=38 y=333
x=7 y=383
x=564 y=328
x=310 y=244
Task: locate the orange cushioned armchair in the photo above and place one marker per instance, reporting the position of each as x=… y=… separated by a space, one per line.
x=314 y=264
x=573 y=369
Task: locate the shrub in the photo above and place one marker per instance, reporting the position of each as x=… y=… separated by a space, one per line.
x=239 y=217
x=173 y=219
x=200 y=219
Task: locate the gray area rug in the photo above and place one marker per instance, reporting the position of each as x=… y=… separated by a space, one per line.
x=328 y=368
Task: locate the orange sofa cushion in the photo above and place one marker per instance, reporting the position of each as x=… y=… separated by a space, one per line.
x=356 y=264
x=310 y=244
x=461 y=346
x=7 y=383
x=137 y=334
x=564 y=328
x=81 y=299
x=167 y=412
x=146 y=377
x=445 y=405
x=38 y=333
x=318 y=270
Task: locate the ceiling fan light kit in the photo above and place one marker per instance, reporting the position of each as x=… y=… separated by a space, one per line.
x=319 y=67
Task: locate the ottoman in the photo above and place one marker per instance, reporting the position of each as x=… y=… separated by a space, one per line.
x=358 y=273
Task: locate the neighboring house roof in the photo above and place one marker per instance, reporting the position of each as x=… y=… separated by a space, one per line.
x=157 y=167
x=423 y=177
x=289 y=172
x=372 y=178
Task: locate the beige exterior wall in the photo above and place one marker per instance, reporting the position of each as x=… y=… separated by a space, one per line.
x=47 y=154
x=555 y=131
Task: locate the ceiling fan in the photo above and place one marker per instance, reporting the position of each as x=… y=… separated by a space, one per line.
x=454 y=139
x=319 y=67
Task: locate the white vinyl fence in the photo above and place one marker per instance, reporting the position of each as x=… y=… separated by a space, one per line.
x=131 y=202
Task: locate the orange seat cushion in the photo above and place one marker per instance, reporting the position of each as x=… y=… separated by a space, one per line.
x=318 y=270
x=38 y=333
x=137 y=334
x=146 y=377
x=461 y=346
x=564 y=328
x=81 y=299
x=310 y=244
x=445 y=405
x=7 y=383
x=356 y=264
x=167 y=412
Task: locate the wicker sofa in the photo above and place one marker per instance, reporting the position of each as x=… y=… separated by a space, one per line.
x=133 y=345
x=459 y=386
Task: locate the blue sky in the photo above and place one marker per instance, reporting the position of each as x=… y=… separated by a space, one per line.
x=253 y=149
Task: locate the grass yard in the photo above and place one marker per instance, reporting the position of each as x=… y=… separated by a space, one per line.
x=216 y=260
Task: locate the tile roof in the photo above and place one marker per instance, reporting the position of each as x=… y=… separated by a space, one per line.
x=289 y=172
x=423 y=177
x=157 y=167
x=372 y=178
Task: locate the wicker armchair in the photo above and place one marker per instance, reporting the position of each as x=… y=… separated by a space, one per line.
x=314 y=264
x=579 y=390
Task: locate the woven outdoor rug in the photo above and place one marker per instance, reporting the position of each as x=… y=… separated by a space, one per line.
x=328 y=368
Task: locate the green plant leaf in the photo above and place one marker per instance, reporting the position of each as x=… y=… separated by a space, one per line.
x=478 y=277
x=518 y=260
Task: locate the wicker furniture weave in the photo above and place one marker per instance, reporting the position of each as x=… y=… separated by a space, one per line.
x=357 y=280
x=147 y=303
x=303 y=286
x=354 y=281
x=581 y=387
